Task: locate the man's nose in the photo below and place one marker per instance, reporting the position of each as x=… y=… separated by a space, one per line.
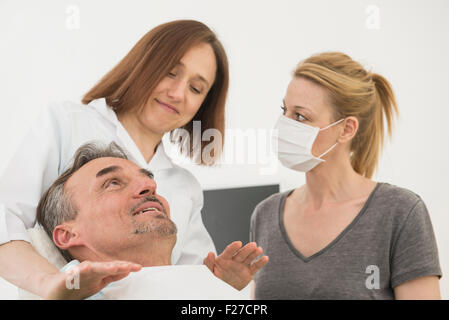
x=146 y=187
x=176 y=90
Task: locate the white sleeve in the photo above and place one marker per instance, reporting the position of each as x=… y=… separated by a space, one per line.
x=31 y=170
x=197 y=243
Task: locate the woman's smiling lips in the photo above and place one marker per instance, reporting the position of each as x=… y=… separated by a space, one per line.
x=167 y=106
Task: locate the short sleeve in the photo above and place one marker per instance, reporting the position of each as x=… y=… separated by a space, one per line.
x=252 y=231
x=415 y=252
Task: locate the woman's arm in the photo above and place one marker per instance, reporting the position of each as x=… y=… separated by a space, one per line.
x=425 y=288
x=32 y=168
x=32 y=272
x=21 y=265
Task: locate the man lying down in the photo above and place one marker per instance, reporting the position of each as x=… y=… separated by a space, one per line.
x=106 y=217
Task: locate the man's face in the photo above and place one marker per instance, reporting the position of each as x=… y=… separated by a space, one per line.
x=118 y=207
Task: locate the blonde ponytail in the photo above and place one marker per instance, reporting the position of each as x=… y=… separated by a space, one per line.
x=355 y=92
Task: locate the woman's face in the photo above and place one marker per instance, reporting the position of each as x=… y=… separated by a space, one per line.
x=309 y=103
x=179 y=95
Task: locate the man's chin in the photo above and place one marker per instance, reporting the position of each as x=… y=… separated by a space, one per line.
x=162 y=227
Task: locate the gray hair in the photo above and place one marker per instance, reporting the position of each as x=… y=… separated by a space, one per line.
x=55 y=205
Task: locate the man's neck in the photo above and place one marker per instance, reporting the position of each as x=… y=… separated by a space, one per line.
x=151 y=253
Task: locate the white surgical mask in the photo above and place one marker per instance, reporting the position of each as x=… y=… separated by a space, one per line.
x=295 y=141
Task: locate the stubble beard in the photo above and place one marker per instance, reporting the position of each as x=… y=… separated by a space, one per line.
x=159 y=226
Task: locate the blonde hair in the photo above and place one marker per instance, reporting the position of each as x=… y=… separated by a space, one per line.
x=355 y=92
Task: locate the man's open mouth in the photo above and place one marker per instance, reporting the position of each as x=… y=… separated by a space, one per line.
x=146 y=210
x=150 y=205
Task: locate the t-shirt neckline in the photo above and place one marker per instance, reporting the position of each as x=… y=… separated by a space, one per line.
x=295 y=251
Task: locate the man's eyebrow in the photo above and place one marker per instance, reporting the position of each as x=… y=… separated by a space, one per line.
x=146 y=172
x=107 y=170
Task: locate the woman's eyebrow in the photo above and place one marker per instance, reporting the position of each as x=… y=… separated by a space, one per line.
x=107 y=170
x=299 y=107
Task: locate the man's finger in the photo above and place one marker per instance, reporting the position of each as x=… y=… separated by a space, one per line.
x=244 y=252
x=259 y=264
x=230 y=250
x=109 y=268
x=114 y=278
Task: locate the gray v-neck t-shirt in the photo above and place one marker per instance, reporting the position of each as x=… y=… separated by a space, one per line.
x=389 y=242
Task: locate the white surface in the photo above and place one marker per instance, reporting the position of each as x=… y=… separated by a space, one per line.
x=185 y=282
x=45 y=56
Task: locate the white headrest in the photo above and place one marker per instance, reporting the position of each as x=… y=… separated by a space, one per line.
x=42 y=243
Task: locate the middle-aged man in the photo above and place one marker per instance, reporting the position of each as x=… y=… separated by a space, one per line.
x=105 y=212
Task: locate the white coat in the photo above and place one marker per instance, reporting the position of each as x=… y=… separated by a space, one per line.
x=48 y=150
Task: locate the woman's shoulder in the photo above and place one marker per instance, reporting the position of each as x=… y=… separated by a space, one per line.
x=393 y=194
x=270 y=205
x=61 y=111
x=65 y=106
x=394 y=205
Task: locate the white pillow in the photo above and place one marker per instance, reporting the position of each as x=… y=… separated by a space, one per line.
x=42 y=243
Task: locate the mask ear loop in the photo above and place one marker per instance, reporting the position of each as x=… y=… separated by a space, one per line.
x=328 y=150
x=333 y=124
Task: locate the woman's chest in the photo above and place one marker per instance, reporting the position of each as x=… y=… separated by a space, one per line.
x=311 y=231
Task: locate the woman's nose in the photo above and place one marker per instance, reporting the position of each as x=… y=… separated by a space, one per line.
x=176 y=90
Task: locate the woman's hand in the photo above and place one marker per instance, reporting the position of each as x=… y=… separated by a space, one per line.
x=87 y=278
x=236 y=265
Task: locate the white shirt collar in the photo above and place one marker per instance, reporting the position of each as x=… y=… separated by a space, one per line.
x=160 y=159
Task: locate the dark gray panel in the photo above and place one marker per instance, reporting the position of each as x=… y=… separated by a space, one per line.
x=227 y=212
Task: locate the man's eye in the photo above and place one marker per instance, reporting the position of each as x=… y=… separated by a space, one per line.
x=112 y=183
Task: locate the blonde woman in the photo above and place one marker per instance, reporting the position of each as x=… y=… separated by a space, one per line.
x=341 y=235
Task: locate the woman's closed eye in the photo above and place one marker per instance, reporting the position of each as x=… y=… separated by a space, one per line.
x=195 y=90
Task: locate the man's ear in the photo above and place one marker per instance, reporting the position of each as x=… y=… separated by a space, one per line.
x=65 y=237
x=351 y=125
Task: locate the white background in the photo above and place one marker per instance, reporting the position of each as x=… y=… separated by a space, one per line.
x=57 y=50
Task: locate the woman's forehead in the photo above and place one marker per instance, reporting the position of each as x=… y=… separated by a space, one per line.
x=307 y=94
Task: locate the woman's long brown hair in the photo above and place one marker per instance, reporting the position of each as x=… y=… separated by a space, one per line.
x=128 y=86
